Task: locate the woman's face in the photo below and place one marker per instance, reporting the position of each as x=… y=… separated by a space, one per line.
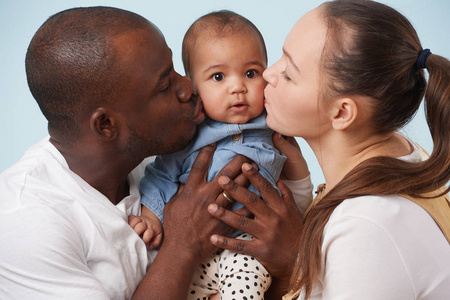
x=292 y=92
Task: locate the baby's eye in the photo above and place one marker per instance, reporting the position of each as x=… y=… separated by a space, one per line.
x=250 y=73
x=218 y=77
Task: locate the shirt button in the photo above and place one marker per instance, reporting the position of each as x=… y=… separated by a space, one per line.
x=236 y=137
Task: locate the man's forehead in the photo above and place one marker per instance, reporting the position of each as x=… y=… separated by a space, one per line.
x=143 y=49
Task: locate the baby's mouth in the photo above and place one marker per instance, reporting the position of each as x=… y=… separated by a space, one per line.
x=239 y=107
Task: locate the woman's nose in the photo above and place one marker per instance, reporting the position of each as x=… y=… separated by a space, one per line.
x=270 y=76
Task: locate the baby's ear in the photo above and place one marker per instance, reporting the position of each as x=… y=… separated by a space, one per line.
x=344 y=113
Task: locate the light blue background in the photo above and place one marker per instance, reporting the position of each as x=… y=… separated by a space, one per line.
x=21 y=122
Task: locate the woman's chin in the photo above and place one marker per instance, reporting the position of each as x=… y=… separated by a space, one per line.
x=272 y=125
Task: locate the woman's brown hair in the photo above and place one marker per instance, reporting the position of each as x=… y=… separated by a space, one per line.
x=371 y=49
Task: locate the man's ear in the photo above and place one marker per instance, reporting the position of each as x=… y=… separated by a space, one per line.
x=103 y=123
x=345 y=111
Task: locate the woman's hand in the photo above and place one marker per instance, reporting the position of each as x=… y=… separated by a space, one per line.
x=276 y=226
x=295 y=167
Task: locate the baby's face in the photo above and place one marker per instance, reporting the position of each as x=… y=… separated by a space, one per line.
x=227 y=74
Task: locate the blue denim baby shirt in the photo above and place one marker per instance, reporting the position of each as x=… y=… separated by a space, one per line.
x=252 y=139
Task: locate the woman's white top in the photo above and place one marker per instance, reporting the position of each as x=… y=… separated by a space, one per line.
x=383 y=247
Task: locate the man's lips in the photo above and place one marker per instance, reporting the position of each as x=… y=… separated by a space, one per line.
x=199 y=114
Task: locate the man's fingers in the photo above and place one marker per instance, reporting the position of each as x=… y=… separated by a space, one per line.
x=226 y=200
x=242 y=180
x=268 y=193
x=233 y=168
x=235 y=245
x=244 y=212
x=285 y=192
x=199 y=169
x=235 y=220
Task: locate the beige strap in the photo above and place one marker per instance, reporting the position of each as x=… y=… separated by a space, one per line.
x=438 y=208
x=291 y=295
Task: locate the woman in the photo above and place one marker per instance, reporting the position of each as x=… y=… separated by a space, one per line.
x=350 y=76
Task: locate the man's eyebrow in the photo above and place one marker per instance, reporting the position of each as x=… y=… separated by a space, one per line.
x=164 y=74
x=291 y=60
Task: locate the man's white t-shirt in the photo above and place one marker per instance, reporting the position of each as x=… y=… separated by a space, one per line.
x=61 y=238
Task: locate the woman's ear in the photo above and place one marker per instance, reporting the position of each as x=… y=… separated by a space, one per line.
x=345 y=112
x=103 y=123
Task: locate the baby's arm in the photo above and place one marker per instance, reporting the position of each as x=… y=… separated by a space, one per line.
x=148 y=227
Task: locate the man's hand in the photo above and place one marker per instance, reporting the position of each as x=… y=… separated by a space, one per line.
x=187 y=211
x=276 y=227
x=187 y=230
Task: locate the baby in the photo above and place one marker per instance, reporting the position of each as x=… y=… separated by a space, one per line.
x=225 y=55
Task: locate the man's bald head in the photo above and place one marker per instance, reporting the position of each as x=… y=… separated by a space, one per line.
x=72 y=63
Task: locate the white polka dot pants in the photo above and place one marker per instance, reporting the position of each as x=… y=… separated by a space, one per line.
x=232 y=275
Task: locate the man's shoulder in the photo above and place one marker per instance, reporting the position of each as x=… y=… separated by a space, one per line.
x=38 y=175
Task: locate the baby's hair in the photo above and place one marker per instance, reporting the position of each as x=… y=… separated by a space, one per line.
x=217 y=24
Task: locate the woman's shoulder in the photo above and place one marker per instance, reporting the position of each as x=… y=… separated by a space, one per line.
x=397 y=221
x=388 y=232
x=390 y=212
x=388 y=241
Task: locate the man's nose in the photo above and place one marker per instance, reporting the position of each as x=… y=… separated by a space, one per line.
x=184 y=88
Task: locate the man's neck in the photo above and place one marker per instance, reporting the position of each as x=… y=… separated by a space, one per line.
x=109 y=177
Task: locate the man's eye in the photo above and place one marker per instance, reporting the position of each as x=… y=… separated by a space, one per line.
x=165 y=88
x=250 y=74
x=218 y=77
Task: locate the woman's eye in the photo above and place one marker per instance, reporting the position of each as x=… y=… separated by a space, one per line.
x=218 y=77
x=250 y=74
x=285 y=76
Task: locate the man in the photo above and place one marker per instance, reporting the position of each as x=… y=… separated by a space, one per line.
x=104 y=79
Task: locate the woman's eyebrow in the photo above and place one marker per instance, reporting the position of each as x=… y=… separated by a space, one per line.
x=291 y=60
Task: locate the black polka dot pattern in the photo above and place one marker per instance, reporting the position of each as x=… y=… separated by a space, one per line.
x=232 y=275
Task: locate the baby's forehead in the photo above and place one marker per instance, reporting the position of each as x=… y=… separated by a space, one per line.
x=247 y=34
